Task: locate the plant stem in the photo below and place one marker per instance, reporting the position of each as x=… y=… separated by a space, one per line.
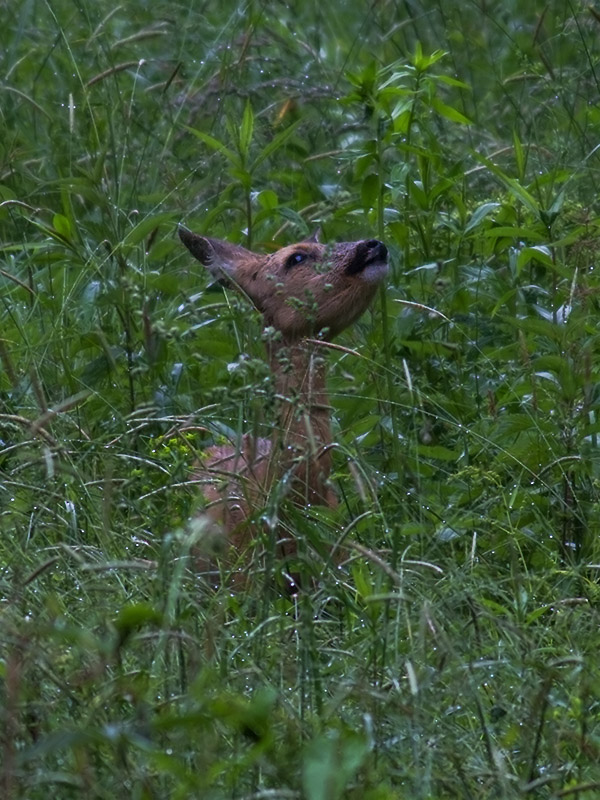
x=385 y=329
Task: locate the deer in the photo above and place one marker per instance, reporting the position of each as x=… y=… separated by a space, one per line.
x=308 y=293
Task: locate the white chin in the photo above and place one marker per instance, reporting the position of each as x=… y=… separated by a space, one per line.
x=375 y=273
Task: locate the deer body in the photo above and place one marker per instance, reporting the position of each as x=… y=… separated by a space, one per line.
x=303 y=290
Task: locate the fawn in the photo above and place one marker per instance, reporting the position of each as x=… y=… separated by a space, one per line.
x=303 y=290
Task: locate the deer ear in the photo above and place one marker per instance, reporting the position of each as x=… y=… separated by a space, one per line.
x=222 y=259
x=315 y=237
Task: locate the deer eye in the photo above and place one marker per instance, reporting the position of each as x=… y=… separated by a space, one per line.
x=295 y=259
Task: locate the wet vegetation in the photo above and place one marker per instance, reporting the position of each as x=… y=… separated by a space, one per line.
x=455 y=652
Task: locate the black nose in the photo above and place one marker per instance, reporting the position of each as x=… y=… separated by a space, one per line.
x=377 y=250
x=370 y=251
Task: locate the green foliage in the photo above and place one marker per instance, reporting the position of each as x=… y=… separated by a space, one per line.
x=454 y=652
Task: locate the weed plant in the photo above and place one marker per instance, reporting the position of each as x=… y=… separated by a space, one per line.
x=455 y=653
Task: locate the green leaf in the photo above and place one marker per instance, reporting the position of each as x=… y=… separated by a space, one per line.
x=330 y=762
x=534 y=615
x=293 y=216
x=508 y=295
x=135 y=615
x=246 y=131
x=54 y=234
x=370 y=191
x=423 y=62
x=549 y=216
x=449 y=112
x=216 y=145
x=513 y=186
x=539 y=253
x=359 y=577
x=6 y=193
x=449 y=81
x=519 y=155
x=480 y=214
x=516 y=232
x=267 y=199
x=244 y=176
x=146 y=226
x=438 y=452
x=62 y=226
x=274 y=145
x=398 y=78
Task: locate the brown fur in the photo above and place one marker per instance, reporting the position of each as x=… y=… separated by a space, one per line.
x=303 y=290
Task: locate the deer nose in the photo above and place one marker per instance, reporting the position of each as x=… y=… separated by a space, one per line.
x=377 y=250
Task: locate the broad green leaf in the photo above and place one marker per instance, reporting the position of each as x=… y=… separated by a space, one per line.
x=146 y=226
x=330 y=761
x=507 y=232
x=508 y=295
x=215 y=144
x=293 y=216
x=135 y=615
x=539 y=253
x=360 y=579
x=244 y=176
x=246 y=131
x=398 y=77
x=274 y=145
x=480 y=214
x=423 y=62
x=534 y=615
x=62 y=226
x=54 y=234
x=267 y=199
x=558 y=203
x=449 y=112
x=438 y=452
x=6 y=193
x=369 y=191
x=513 y=186
x=450 y=81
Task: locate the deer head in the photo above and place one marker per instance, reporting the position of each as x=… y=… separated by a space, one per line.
x=303 y=289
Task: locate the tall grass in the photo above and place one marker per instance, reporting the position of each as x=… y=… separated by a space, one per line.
x=455 y=652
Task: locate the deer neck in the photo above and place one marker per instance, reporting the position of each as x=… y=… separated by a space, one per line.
x=301 y=441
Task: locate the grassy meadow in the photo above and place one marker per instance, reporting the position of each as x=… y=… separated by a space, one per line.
x=456 y=652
